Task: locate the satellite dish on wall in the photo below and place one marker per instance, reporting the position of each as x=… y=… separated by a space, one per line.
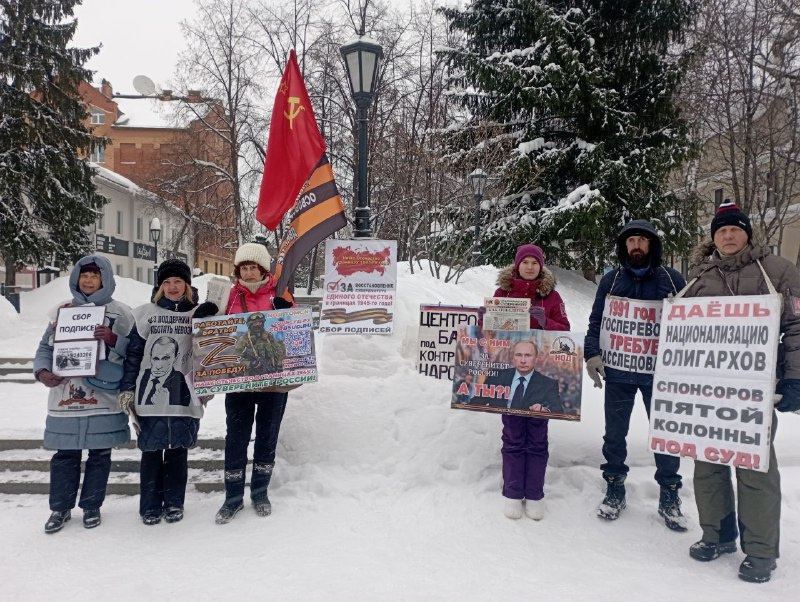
x=144 y=85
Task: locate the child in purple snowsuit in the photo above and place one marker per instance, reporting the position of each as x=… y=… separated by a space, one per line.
x=525 y=439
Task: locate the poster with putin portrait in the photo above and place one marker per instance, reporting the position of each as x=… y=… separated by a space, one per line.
x=534 y=373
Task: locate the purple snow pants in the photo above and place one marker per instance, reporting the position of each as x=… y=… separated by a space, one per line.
x=524 y=457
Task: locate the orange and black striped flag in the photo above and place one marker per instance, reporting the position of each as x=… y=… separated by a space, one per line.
x=317 y=213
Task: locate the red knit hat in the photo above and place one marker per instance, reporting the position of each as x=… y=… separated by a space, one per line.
x=524 y=251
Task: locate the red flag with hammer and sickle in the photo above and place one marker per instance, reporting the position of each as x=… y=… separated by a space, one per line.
x=294 y=148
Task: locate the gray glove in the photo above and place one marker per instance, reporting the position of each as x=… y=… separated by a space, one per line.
x=594 y=366
x=537 y=313
x=125 y=399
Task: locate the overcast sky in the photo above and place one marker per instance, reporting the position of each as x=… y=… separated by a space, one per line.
x=138 y=37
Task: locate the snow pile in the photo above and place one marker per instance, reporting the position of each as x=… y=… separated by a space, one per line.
x=8 y=315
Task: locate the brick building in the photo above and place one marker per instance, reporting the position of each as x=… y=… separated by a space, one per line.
x=155 y=145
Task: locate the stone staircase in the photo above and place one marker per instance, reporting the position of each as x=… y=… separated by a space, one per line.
x=16 y=370
x=25 y=467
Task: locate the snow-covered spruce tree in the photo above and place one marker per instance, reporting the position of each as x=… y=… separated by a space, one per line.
x=47 y=197
x=571 y=104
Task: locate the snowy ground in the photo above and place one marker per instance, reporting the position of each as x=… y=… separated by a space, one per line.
x=381 y=492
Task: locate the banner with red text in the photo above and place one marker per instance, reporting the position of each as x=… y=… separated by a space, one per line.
x=715 y=378
x=629 y=334
x=490 y=363
x=360 y=285
x=261 y=350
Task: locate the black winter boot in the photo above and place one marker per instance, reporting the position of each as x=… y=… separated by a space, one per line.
x=228 y=512
x=262 y=474
x=614 y=502
x=756 y=570
x=56 y=521
x=669 y=507
x=91 y=518
x=705 y=551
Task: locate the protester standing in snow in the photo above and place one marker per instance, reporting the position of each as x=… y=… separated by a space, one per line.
x=525 y=444
x=93 y=419
x=731 y=264
x=253 y=291
x=640 y=275
x=154 y=387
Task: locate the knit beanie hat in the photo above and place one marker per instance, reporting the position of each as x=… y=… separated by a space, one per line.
x=729 y=214
x=255 y=252
x=173 y=267
x=90 y=267
x=528 y=251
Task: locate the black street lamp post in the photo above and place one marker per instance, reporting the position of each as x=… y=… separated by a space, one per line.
x=362 y=58
x=155 y=236
x=477 y=180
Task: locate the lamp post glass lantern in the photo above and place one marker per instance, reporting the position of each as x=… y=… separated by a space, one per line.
x=362 y=58
x=477 y=180
x=155 y=236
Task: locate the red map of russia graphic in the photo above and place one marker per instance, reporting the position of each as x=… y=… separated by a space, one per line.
x=348 y=262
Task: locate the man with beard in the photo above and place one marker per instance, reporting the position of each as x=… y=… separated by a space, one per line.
x=640 y=276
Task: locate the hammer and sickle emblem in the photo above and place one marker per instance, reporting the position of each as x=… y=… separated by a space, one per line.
x=294 y=110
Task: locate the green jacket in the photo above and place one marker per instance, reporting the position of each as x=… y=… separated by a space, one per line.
x=740 y=275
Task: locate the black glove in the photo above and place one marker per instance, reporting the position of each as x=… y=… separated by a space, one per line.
x=206 y=310
x=281 y=303
x=790 y=389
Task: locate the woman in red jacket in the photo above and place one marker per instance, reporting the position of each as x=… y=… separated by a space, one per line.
x=253 y=291
x=525 y=442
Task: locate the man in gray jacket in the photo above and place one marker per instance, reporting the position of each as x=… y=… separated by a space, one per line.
x=729 y=265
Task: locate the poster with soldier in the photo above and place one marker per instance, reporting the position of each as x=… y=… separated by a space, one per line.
x=269 y=350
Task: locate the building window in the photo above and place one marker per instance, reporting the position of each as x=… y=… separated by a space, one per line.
x=119 y=222
x=98 y=116
x=139 y=227
x=167 y=152
x=101 y=221
x=127 y=153
x=98 y=154
x=205 y=266
x=138 y=274
x=118 y=270
x=717 y=198
x=149 y=276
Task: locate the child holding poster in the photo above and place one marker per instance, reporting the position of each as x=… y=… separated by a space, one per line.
x=525 y=444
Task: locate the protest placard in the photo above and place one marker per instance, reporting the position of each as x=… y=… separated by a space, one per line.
x=490 y=363
x=629 y=332
x=270 y=350
x=438 y=334
x=75 y=350
x=218 y=292
x=75 y=358
x=78 y=323
x=714 y=379
x=507 y=313
x=360 y=284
